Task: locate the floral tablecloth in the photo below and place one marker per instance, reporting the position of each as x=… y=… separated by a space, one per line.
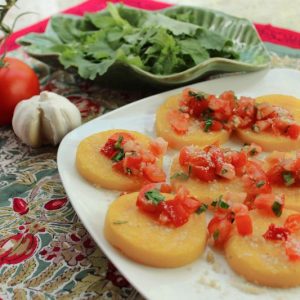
x=45 y=252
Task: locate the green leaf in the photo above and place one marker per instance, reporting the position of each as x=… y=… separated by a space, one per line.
x=203 y=208
x=118 y=156
x=207 y=124
x=277 y=208
x=260 y=183
x=154 y=196
x=118 y=143
x=288 y=178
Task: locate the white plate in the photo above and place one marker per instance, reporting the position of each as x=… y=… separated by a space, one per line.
x=200 y=279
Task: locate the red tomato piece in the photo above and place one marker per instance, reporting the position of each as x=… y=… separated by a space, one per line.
x=255 y=180
x=292 y=223
x=204 y=173
x=276 y=233
x=145 y=204
x=109 y=149
x=243 y=224
x=216 y=126
x=219 y=231
x=153 y=173
x=132 y=164
x=175 y=212
x=158 y=146
x=165 y=188
x=293 y=131
x=274 y=175
x=270 y=203
x=245 y=110
x=179 y=121
x=195 y=102
x=292 y=249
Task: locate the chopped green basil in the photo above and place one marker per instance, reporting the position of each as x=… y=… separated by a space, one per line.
x=182 y=175
x=119 y=222
x=216 y=234
x=288 y=178
x=253 y=152
x=154 y=196
x=220 y=203
x=260 y=183
x=277 y=208
x=202 y=208
x=207 y=124
x=118 y=156
x=197 y=95
x=118 y=143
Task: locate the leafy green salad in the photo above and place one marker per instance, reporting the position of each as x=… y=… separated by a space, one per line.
x=151 y=41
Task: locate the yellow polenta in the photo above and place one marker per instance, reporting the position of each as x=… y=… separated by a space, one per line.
x=262 y=261
x=205 y=191
x=97 y=169
x=195 y=134
x=269 y=141
x=144 y=240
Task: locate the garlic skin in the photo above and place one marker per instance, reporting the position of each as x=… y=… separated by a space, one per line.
x=45 y=119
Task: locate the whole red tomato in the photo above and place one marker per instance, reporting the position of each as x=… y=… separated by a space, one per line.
x=17 y=82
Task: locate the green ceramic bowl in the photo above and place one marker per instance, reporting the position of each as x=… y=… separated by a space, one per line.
x=253 y=54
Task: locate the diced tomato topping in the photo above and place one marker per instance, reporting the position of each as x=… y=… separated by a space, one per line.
x=165 y=188
x=245 y=110
x=293 y=131
x=275 y=233
x=153 y=173
x=204 y=173
x=274 y=175
x=270 y=203
x=195 y=102
x=109 y=149
x=219 y=230
x=243 y=224
x=132 y=164
x=179 y=121
x=158 y=146
x=174 y=212
x=292 y=249
x=255 y=180
x=292 y=223
x=145 y=204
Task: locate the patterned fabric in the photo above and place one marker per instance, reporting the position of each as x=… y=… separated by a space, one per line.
x=45 y=252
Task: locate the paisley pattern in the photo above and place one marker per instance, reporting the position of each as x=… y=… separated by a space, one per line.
x=45 y=252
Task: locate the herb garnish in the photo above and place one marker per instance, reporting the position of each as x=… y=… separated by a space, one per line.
x=202 y=208
x=260 y=183
x=119 y=222
x=207 y=124
x=118 y=156
x=216 y=234
x=220 y=203
x=288 y=178
x=277 y=208
x=154 y=196
x=197 y=95
x=182 y=175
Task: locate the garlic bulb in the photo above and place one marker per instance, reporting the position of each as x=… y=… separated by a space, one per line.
x=45 y=119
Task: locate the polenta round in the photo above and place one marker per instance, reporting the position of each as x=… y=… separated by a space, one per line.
x=261 y=261
x=269 y=141
x=97 y=168
x=144 y=240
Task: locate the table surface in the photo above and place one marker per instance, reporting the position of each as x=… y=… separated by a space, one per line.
x=57 y=258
